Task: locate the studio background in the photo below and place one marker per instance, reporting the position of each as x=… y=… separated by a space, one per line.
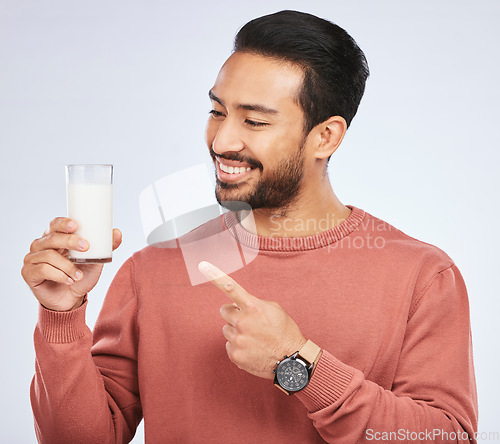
x=126 y=83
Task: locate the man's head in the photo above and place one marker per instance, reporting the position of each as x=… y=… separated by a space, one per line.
x=281 y=105
x=335 y=69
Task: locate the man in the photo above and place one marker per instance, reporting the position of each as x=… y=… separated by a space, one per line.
x=370 y=327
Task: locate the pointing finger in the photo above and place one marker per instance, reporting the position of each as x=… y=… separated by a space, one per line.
x=228 y=285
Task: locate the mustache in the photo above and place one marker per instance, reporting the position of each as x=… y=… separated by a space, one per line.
x=234 y=155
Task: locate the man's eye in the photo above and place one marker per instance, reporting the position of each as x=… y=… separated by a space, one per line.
x=216 y=113
x=255 y=124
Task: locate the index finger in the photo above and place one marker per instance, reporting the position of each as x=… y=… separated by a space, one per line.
x=61 y=225
x=228 y=285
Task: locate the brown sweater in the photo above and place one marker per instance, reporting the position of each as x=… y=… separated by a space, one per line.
x=390 y=313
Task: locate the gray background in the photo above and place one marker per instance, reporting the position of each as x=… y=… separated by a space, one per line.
x=126 y=83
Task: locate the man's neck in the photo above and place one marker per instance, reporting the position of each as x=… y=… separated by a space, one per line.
x=309 y=215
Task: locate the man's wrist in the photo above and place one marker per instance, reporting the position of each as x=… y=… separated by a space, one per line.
x=77 y=305
x=294 y=372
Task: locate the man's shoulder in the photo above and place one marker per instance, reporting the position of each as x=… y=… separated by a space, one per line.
x=401 y=245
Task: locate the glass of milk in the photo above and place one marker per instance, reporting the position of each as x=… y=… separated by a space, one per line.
x=89 y=192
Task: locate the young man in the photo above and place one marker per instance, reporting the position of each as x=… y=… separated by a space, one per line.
x=365 y=326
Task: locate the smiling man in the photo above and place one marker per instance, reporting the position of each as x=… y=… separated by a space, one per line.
x=341 y=329
x=258 y=127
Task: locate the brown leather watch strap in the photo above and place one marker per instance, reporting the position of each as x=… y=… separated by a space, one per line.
x=310 y=352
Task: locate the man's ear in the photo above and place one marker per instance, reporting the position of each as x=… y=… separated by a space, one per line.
x=328 y=136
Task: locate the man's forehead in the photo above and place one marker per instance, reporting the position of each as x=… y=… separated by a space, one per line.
x=248 y=78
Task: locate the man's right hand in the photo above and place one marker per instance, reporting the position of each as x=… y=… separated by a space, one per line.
x=56 y=282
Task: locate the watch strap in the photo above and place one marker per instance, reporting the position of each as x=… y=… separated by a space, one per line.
x=310 y=352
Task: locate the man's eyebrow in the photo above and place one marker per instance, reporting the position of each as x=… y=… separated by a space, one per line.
x=248 y=107
x=214 y=98
x=258 y=108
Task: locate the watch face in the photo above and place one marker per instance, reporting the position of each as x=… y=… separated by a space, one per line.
x=292 y=375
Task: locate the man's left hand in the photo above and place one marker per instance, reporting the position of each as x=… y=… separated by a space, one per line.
x=259 y=333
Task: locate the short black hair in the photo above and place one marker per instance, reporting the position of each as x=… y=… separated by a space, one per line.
x=335 y=68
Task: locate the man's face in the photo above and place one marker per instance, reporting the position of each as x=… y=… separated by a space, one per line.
x=255 y=132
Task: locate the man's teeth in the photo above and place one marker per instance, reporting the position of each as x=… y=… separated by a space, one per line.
x=233 y=170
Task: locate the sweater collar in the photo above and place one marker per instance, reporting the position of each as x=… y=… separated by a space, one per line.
x=322 y=239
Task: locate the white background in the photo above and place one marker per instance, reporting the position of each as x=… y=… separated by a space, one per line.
x=126 y=83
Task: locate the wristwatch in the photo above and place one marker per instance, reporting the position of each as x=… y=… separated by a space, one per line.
x=294 y=372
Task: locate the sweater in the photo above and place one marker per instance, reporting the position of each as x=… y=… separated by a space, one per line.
x=389 y=312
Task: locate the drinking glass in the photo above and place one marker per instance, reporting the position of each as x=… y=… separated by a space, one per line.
x=89 y=192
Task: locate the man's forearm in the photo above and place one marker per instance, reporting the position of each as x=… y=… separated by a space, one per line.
x=68 y=395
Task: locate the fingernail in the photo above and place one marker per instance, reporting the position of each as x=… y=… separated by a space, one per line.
x=78 y=275
x=70 y=281
x=83 y=244
x=205 y=266
x=71 y=225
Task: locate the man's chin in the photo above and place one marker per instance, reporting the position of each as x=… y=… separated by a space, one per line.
x=234 y=205
x=228 y=197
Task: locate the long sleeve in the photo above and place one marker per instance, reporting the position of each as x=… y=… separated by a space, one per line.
x=82 y=393
x=433 y=395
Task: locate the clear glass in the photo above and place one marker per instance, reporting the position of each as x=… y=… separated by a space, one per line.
x=89 y=194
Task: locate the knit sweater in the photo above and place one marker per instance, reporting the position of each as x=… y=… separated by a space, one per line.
x=389 y=312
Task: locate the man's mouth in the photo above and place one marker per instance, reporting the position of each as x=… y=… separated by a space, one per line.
x=231 y=170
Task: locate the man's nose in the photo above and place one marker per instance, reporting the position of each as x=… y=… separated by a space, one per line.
x=228 y=137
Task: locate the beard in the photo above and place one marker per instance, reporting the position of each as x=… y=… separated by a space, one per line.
x=277 y=192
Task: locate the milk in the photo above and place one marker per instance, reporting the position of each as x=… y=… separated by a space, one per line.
x=91 y=206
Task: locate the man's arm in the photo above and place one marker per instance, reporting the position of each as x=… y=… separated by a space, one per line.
x=434 y=388
x=433 y=396
x=86 y=394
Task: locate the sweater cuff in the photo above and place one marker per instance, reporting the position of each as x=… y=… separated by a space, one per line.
x=328 y=383
x=62 y=326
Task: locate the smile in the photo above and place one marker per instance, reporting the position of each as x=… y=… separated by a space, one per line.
x=233 y=170
x=230 y=170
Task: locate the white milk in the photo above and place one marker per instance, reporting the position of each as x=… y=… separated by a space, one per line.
x=91 y=206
